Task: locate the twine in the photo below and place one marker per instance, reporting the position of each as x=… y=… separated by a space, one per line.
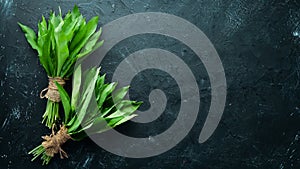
x=52 y=143
x=52 y=91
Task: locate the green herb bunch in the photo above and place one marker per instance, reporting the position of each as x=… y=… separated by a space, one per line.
x=60 y=42
x=111 y=110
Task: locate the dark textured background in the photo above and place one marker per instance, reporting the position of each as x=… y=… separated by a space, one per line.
x=258 y=43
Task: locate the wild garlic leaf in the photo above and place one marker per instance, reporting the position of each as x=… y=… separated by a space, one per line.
x=65 y=99
x=42 y=32
x=125 y=119
x=91 y=27
x=99 y=125
x=79 y=36
x=62 y=50
x=30 y=36
x=99 y=85
x=126 y=107
x=91 y=44
x=86 y=97
x=119 y=94
x=76 y=87
x=105 y=92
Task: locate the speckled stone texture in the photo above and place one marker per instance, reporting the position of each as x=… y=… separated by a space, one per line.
x=258 y=43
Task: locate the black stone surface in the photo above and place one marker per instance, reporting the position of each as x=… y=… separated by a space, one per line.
x=258 y=43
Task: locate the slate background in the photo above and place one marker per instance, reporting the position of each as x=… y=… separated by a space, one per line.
x=258 y=43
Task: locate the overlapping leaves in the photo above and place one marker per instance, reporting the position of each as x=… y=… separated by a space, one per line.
x=110 y=110
x=81 y=115
x=61 y=41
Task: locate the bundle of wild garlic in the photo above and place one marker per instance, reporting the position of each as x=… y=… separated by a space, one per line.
x=111 y=110
x=59 y=43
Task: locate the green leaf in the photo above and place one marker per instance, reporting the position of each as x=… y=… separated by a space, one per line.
x=90 y=44
x=59 y=42
x=78 y=136
x=95 y=47
x=74 y=124
x=42 y=32
x=119 y=94
x=70 y=123
x=107 y=90
x=75 y=11
x=76 y=87
x=90 y=29
x=88 y=76
x=99 y=85
x=65 y=99
x=99 y=125
x=86 y=97
x=126 y=107
x=45 y=59
x=62 y=50
x=78 y=36
x=31 y=37
x=123 y=120
x=106 y=111
x=113 y=121
x=68 y=67
x=71 y=24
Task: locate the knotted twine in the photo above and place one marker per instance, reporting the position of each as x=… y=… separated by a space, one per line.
x=52 y=91
x=52 y=143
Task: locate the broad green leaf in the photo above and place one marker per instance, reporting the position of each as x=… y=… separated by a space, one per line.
x=42 y=32
x=87 y=95
x=88 y=77
x=113 y=121
x=46 y=56
x=76 y=87
x=125 y=119
x=91 y=43
x=75 y=12
x=78 y=36
x=99 y=85
x=91 y=27
x=54 y=20
x=119 y=94
x=106 y=111
x=68 y=67
x=60 y=41
x=65 y=99
x=95 y=47
x=70 y=25
x=99 y=125
x=86 y=125
x=70 y=123
x=107 y=90
x=126 y=108
x=31 y=37
x=78 y=136
x=62 y=50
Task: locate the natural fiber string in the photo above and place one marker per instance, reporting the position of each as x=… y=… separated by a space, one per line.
x=52 y=143
x=52 y=91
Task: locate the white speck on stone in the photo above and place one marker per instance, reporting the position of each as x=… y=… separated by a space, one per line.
x=4 y=156
x=296 y=34
x=297 y=137
x=16 y=112
x=150 y=138
x=4 y=123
